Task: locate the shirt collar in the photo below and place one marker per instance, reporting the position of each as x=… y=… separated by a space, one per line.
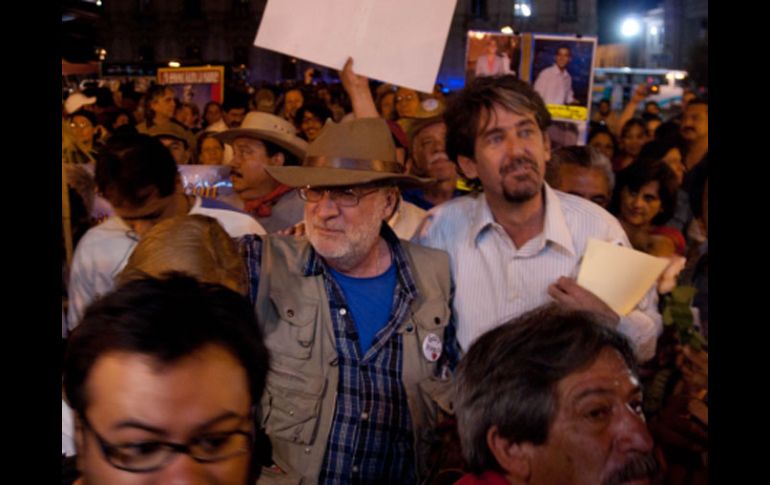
x=555 y=227
x=315 y=265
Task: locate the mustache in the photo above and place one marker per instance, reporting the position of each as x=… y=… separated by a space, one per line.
x=517 y=163
x=437 y=156
x=641 y=466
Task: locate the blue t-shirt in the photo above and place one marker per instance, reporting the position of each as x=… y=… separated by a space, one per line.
x=369 y=301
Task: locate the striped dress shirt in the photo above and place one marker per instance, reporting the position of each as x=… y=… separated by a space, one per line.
x=496 y=281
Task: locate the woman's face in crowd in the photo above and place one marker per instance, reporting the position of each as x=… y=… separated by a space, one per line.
x=638 y=208
x=603 y=143
x=212 y=152
x=633 y=140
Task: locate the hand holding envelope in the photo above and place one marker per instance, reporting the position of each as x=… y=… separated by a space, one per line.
x=618 y=275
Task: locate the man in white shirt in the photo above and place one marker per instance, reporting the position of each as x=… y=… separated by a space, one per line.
x=554 y=83
x=139 y=177
x=519 y=244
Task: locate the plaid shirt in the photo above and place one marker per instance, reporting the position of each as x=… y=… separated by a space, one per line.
x=371 y=439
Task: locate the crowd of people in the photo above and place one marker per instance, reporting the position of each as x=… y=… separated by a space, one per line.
x=388 y=294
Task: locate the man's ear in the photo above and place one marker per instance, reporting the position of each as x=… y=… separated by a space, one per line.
x=468 y=166
x=277 y=159
x=409 y=165
x=392 y=199
x=512 y=457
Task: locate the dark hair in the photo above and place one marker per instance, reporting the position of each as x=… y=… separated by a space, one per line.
x=153 y=92
x=698 y=101
x=651 y=103
x=235 y=100
x=85 y=114
x=166 y=319
x=647 y=117
x=597 y=130
x=129 y=163
x=639 y=174
x=289 y=159
x=563 y=46
x=318 y=109
x=464 y=114
x=657 y=149
x=115 y=114
x=509 y=376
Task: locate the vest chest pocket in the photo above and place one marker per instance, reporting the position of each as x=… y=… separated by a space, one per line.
x=294 y=332
x=291 y=405
x=432 y=317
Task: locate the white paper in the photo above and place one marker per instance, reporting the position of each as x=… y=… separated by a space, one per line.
x=396 y=41
x=618 y=275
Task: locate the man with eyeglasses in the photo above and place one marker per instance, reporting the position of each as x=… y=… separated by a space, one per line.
x=358 y=323
x=138 y=176
x=163 y=375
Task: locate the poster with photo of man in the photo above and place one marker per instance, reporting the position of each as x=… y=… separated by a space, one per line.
x=561 y=70
x=491 y=54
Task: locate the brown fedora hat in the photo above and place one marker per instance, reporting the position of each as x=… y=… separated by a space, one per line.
x=356 y=152
x=264 y=126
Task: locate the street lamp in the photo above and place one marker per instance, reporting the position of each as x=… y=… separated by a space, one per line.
x=630 y=27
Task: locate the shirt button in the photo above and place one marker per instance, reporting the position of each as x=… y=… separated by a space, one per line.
x=307 y=451
x=355 y=469
x=364 y=416
x=343 y=311
x=409 y=328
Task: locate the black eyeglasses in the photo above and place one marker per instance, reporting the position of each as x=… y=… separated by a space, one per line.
x=150 y=456
x=343 y=197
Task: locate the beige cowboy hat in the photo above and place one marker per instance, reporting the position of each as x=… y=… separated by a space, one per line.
x=268 y=127
x=357 y=152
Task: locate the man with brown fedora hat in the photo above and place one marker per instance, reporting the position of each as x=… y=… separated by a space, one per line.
x=361 y=341
x=265 y=140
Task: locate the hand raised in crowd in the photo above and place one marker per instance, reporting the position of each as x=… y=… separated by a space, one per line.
x=357 y=87
x=567 y=292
